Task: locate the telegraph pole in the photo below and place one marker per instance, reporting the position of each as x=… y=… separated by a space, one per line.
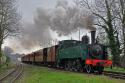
x=79 y=34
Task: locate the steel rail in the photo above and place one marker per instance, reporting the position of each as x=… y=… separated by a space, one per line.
x=14 y=74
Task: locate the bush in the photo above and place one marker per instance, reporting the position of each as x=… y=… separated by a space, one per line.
x=4 y=60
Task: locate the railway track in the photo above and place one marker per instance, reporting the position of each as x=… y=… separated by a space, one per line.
x=117 y=75
x=13 y=75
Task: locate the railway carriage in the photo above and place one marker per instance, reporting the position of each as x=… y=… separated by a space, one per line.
x=38 y=55
x=52 y=55
x=32 y=58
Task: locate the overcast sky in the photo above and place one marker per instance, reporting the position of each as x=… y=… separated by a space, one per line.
x=27 y=8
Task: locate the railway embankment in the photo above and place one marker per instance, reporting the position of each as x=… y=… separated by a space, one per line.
x=38 y=74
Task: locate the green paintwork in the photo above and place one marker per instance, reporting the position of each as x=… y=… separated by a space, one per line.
x=73 y=49
x=70 y=49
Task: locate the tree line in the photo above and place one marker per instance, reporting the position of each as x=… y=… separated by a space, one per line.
x=9 y=20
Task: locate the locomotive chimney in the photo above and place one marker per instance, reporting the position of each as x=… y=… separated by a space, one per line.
x=93 y=32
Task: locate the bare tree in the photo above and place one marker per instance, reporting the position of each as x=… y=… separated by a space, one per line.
x=105 y=15
x=121 y=19
x=9 y=20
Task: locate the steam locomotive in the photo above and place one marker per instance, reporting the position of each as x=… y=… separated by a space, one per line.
x=73 y=55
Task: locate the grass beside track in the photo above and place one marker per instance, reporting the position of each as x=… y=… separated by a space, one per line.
x=115 y=69
x=5 y=64
x=34 y=74
x=5 y=67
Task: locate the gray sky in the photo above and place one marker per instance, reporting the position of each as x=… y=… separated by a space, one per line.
x=27 y=8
